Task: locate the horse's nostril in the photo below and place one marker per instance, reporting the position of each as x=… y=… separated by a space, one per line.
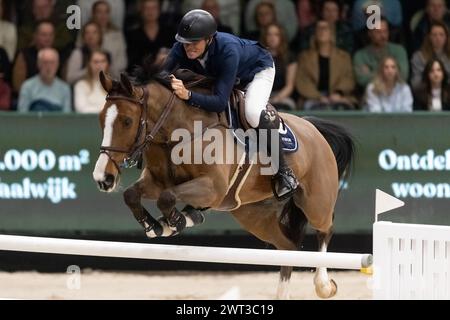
x=109 y=180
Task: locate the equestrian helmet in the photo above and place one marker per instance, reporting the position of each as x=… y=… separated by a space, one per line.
x=196 y=25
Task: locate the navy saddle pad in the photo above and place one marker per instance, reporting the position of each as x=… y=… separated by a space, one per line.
x=288 y=139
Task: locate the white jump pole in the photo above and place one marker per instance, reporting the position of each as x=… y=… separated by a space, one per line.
x=186 y=253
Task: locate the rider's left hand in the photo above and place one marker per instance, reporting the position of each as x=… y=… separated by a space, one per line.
x=179 y=89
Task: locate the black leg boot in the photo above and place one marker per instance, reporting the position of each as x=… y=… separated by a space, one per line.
x=284 y=182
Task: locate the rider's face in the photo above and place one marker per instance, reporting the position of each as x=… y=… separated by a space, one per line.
x=195 y=49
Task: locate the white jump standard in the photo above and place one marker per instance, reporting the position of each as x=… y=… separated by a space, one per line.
x=350 y=261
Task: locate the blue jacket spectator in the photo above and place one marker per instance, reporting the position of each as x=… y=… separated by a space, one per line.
x=45 y=92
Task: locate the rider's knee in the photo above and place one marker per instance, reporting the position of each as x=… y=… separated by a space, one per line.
x=252 y=117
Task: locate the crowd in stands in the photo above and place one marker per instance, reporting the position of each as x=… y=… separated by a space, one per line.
x=325 y=55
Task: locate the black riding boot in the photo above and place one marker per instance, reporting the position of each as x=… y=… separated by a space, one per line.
x=284 y=182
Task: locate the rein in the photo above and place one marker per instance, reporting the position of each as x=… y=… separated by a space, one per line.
x=134 y=154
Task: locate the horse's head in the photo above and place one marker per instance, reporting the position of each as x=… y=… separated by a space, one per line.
x=122 y=121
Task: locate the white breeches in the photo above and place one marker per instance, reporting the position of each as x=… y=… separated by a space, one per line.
x=257 y=95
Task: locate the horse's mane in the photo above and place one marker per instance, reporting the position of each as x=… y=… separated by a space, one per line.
x=150 y=71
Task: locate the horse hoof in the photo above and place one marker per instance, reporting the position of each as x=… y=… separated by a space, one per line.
x=166 y=230
x=153 y=231
x=326 y=290
x=177 y=221
x=193 y=217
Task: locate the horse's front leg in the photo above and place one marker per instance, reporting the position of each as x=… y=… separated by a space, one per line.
x=199 y=193
x=145 y=187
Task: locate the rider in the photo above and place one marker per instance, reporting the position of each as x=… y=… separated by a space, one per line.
x=227 y=58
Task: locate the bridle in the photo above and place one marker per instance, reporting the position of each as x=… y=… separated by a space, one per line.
x=134 y=154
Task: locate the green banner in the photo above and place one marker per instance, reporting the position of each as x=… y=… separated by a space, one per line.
x=46 y=185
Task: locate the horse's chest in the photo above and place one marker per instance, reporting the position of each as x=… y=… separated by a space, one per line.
x=171 y=175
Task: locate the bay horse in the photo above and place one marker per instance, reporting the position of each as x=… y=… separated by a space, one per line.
x=139 y=119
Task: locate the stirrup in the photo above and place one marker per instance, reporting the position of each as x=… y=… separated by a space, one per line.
x=288 y=179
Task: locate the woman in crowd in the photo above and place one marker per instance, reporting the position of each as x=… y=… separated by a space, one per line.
x=434 y=92
x=5 y=88
x=274 y=38
x=8 y=36
x=89 y=95
x=388 y=92
x=92 y=39
x=324 y=77
x=435 y=45
x=265 y=15
x=113 y=38
x=330 y=11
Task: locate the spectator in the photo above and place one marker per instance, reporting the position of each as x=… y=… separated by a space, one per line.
x=436 y=44
x=330 y=11
x=265 y=15
x=25 y=65
x=89 y=95
x=5 y=65
x=150 y=36
x=45 y=92
x=435 y=11
x=434 y=92
x=8 y=36
x=388 y=92
x=285 y=14
x=117 y=11
x=307 y=15
x=274 y=38
x=171 y=12
x=44 y=10
x=213 y=7
x=113 y=38
x=92 y=39
x=390 y=9
x=324 y=77
x=366 y=61
x=5 y=89
x=230 y=12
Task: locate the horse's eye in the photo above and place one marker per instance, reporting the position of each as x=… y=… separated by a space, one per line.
x=127 y=122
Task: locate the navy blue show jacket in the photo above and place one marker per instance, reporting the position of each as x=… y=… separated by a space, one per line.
x=229 y=58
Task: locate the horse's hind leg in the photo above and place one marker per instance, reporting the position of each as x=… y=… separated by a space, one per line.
x=317 y=200
x=263 y=221
x=325 y=287
x=293 y=223
x=283 y=283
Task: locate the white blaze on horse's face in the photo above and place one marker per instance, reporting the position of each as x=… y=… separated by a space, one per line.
x=106 y=181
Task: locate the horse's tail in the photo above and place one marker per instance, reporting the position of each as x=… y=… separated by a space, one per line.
x=340 y=141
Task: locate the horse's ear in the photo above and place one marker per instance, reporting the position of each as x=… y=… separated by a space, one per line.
x=126 y=84
x=107 y=82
